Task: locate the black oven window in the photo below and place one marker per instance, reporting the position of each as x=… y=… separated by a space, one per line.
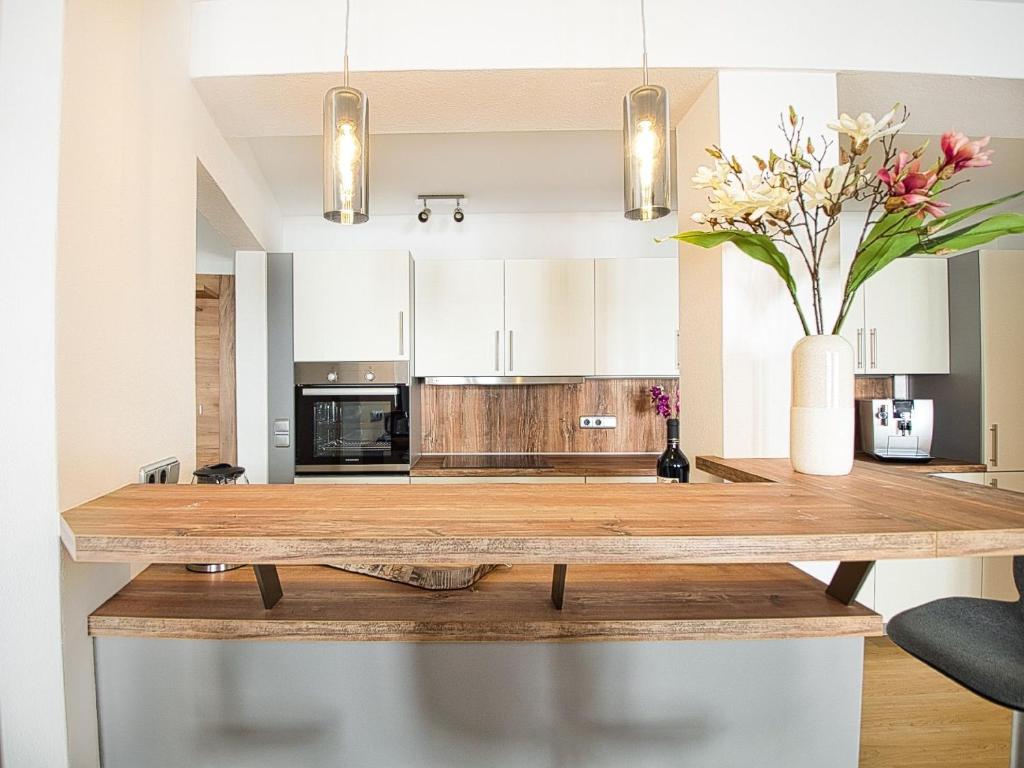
x=360 y=428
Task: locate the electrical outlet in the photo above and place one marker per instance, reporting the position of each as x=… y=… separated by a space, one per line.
x=598 y=422
x=160 y=472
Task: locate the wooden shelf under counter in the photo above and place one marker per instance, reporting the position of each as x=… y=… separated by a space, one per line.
x=602 y=603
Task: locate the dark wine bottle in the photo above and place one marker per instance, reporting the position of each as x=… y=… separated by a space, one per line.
x=673 y=466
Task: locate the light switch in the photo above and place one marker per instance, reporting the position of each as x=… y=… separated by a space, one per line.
x=281 y=426
x=282 y=441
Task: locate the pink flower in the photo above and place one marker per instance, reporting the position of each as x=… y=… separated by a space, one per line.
x=908 y=186
x=962 y=153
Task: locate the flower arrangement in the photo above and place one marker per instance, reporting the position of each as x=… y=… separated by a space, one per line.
x=665 y=405
x=793 y=201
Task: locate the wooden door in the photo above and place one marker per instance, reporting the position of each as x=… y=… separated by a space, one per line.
x=636 y=309
x=549 y=317
x=1002 y=349
x=906 y=310
x=351 y=306
x=216 y=437
x=460 y=319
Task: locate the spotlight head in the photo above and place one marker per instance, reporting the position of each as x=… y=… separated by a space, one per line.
x=423 y=215
x=458 y=215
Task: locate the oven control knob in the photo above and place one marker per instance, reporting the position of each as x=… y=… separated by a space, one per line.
x=370 y=376
x=332 y=376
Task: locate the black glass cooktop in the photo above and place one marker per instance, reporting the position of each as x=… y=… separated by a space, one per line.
x=499 y=461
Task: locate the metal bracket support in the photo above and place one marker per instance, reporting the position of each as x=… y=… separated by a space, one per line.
x=269 y=583
x=558 y=586
x=848 y=579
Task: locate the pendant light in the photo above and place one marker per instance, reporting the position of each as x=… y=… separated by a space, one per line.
x=647 y=180
x=346 y=151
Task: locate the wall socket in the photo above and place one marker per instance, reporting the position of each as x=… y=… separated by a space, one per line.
x=598 y=422
x=160 y=472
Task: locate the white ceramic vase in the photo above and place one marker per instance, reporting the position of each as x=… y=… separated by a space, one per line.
x=821 y=416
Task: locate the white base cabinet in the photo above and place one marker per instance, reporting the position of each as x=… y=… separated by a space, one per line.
x=352 y=306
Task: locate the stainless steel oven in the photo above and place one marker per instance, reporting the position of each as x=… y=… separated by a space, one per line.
x=352 y=417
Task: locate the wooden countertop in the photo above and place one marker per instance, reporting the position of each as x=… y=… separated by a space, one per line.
x=874 y=513
x=561 y=465
x=666 y=602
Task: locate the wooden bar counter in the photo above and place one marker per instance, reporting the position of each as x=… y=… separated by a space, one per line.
x=636 y=542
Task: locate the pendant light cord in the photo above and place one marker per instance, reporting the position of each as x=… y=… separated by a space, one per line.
x=643 y=33
x=348 y=4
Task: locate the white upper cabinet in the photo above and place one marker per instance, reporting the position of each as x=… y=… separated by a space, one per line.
x=899 y=322
x=549 y=317
x=636 y=305
x=1002 y=348
x=906 y=318
x=460 y=318
x=352 y=306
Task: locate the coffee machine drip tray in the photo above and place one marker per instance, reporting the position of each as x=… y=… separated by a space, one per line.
x=905 y=455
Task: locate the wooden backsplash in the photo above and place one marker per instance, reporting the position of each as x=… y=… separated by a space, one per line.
x=541 y=418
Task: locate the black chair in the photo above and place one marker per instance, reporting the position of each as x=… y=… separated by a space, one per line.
x=976 y=643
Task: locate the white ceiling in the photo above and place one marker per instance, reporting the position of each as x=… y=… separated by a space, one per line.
x=442 y=102
x=528 y=140
x=519 y=172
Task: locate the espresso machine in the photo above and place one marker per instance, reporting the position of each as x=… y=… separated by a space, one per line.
x=896 y=430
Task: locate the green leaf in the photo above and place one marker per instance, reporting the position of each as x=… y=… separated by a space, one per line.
x=955 y=217
x=980 y=233
x=891 y=237
x=759 y=247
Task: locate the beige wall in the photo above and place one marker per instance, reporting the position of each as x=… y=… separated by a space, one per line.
x=132 y=129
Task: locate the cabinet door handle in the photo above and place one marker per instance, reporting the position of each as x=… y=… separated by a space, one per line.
x=497 y=350
x=994 y=455
x=874 y=348
x=677 y=350
x=860 y=349
x=401 y=332
x=510 y=350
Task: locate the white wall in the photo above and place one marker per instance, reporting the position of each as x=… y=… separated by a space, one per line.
x=489 y=236
x=214 y=255
x=251 y=351
x=738 y=317
x=235 y=37
x=32 y=728
x=132 y=130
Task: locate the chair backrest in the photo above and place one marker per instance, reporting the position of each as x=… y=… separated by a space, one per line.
x=1018 y=576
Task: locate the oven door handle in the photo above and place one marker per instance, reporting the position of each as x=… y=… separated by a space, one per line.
x=348 y=391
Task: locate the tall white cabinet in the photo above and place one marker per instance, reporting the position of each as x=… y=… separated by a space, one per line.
x=636 y=305
x=1001 y=276
x=353 y=305
x=549 y=317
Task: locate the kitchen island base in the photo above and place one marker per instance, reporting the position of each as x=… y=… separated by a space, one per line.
x=769 y=703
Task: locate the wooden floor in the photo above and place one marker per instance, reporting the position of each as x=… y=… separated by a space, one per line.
x=913 y=716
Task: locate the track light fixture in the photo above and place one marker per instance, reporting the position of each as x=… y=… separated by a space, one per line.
x=458 y=214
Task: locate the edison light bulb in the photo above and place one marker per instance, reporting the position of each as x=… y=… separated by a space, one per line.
x=645 y=151
x=347 y=156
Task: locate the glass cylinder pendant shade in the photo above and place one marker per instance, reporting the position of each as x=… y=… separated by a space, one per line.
x=647 y=181
x=346 y=156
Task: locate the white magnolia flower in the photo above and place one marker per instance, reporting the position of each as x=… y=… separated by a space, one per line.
x=750 y=196
x=865 y=129
x=708 y=178
x=698 y=218
x=819 y=190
